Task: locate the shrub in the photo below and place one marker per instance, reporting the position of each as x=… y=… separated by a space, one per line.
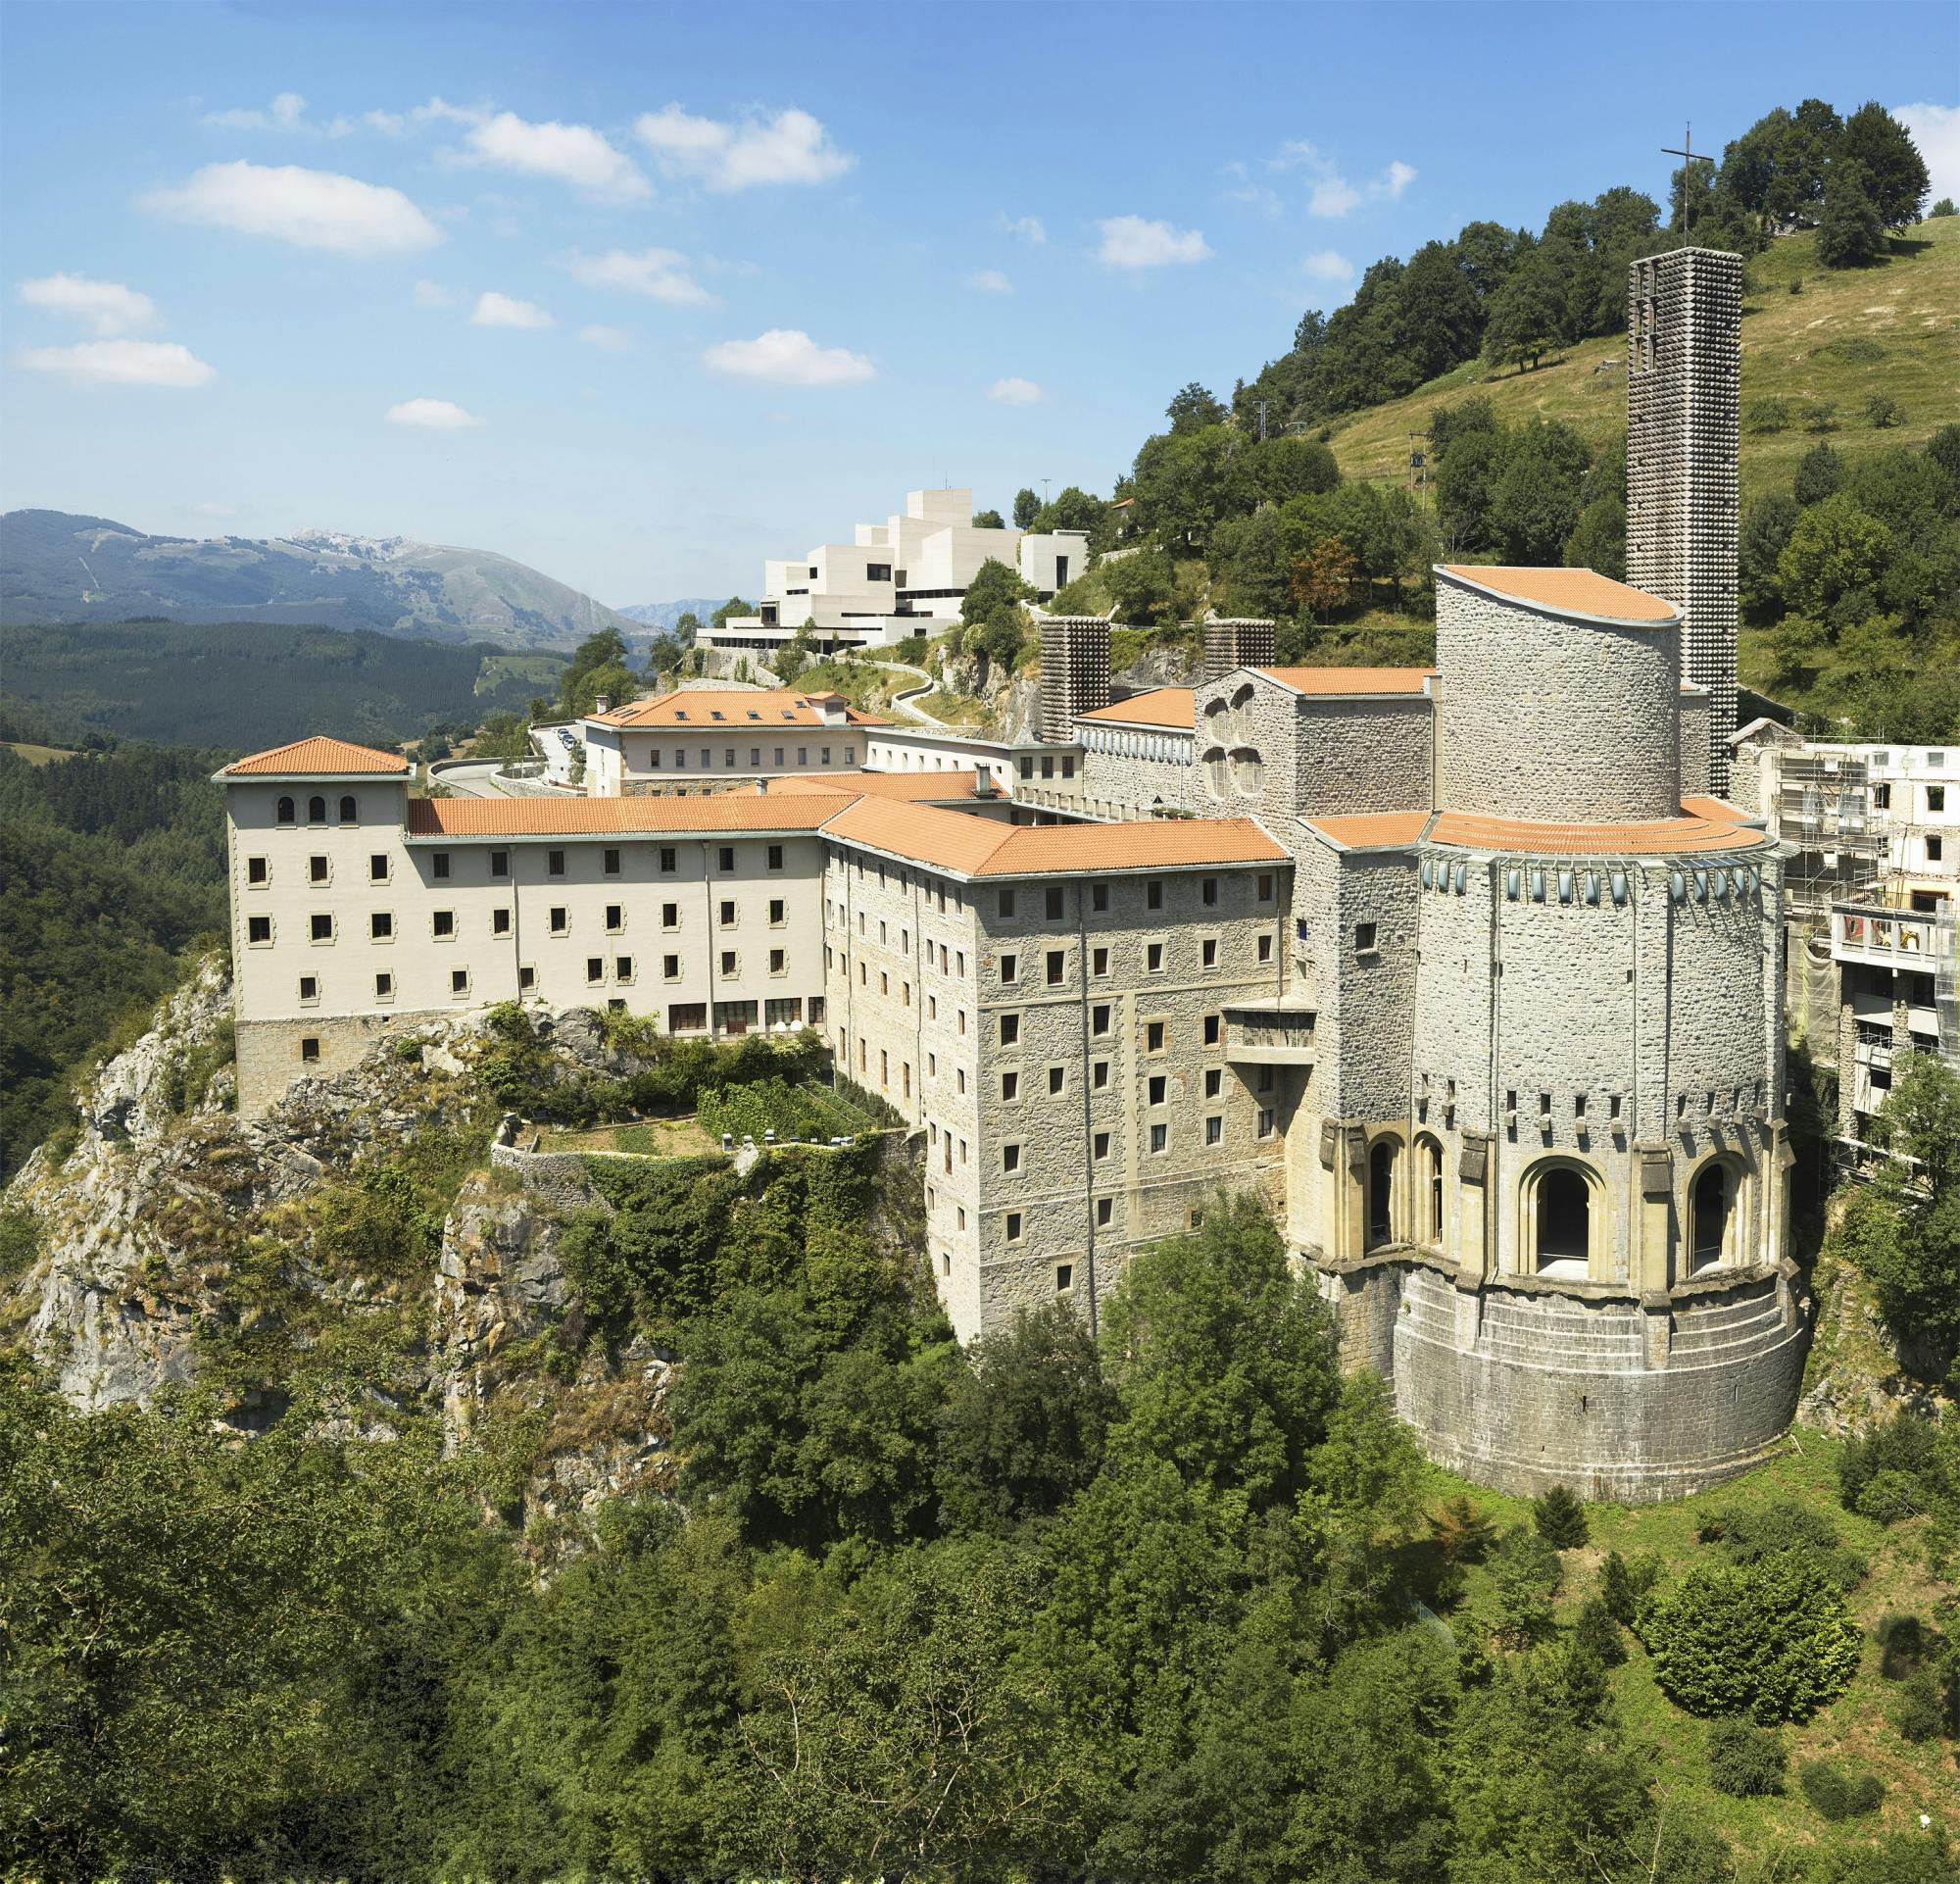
x=1787 y=1528
x=1766 y=415
x=1745 y=1761
x=1525 y=1575
x=1461 y=1532
x=1888 y=1496
x=1772 y=1639
x=1622 y=1585
x=1835 y=1793
x=1883 y=412
x=1906 y=1445
x=1920 y=1711
x=1822 y=416
x=1559 y=1519
x=1598 y=1634
x=20 y=1240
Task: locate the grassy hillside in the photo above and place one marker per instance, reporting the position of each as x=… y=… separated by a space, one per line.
x=1846 y=334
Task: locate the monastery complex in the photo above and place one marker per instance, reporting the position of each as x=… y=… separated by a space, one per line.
x=1471 y=972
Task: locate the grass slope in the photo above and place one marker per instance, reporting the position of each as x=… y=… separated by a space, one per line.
x=1793 y=347
x=1919 y=1778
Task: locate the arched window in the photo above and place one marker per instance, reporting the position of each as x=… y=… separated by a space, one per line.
x=1241 y=711
x=1429 y=1196
x=347 y=812
x=285 y=813
x=1215 y=771
x=1563 y=1222
x=1382 y=1192
x=1709 y=1206
x=315 y=810
x=1245 y=770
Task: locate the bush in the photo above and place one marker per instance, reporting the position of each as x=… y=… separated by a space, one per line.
x=1835 y=1793
x=1883 y=412
x=1745 y=1761
x=1787 y=1528
x=1906 y=1452
x=1559 y=1519
x=1920 y=1711
x=1623 y=1585
x=20 y=1240
x=1766 y=415
x=1822 y=416
x=1772 y=1639
x=1598 y=1634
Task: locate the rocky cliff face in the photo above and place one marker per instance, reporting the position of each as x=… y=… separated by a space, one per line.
x=360 y=1249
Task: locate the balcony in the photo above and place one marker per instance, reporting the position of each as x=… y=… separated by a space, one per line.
x=1883 y=939
x=1269 y=1036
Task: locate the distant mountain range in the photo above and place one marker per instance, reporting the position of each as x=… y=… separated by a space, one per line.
x=664 y=615
x=56 y=567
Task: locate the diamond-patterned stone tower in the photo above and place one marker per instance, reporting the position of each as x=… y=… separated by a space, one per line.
x=1235 y=641
x=1074 y=671
x=1684 y=378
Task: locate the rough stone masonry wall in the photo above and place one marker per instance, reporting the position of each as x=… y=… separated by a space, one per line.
x=1684 y=383
x=271 y=1057
x=1553 y=718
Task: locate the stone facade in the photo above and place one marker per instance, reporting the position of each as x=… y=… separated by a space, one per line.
x=1683 y=385
x=1232 y=642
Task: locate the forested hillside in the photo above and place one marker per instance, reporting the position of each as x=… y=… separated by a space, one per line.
x=111 y=864
x=249 y=684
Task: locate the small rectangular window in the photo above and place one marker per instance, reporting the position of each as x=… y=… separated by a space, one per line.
x=1207 y=952
x=378 y=869
x=443 y=922
x=616 y=916
x=1054 y=1080
x=726 y=912
x=1265 y=886
x=1212 y=1027
x=779 y=911
x=1010 y=1085
x=1158 y=1088
x=724 y=857
x=1011 y=1158
x=1214 y=1131
x=775 y=856
x=1099 y=897
x=1098 y=962
x=1098 y=1019
x=728 y=964
x=1154 y=957
x=500 y=863
x=595 y=967
x=384 y=987
x=1154 y=894
x=1364 y=937
x=1013 y=1226
x=256 y=870
x=1007 y=903
x=622 y=967
x=1057 y=966
x=1159 y=1138
x=1153 y=1036
x=310 y=1049
x=528 y=977
x=316 y=870
x=1064 y=1277
x=778 y=961
x=1214 y=1082
x=500 y=921
x=561 y=920
x=439 y=864
x=257 y=929
x=1098 y=1074
x=1054 y=901
x=459 y=981
x=381 y=925
x=1011 y=1030
x=1208 y=891
x=611 y=863
x=1009 y=969
x=555 y=863
x=670 y=860
x=309 y=987
x=1264 y=1128
x=322 y=928
x=671 y=967
x=1106 y=1211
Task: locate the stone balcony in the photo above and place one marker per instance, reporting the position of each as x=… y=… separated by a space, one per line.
x=1274 y=1035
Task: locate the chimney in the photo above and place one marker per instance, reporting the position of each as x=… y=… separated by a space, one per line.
x=602 y=702
x=983 y=783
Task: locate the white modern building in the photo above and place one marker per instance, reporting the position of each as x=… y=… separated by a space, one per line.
x=896 y=578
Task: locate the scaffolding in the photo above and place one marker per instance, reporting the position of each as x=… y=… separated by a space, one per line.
x=1824 y=811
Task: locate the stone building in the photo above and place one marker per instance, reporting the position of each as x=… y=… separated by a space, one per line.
x=1683 y=385
x=1462 y=969
x=1231 y=642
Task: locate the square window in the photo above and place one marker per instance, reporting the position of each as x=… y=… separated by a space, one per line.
x=309 y=987
x=381 y=925
x=256 y=870
x=459 y=981
x=555 y=863
x=323 y=927
x=444 y=922
x=1214 y=1131
x=310 y=1049
x=384 y=987
x=611 y=863
x=257 y=929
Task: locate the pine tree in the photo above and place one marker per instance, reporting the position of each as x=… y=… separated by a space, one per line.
x=1852 y=233
x=1559 y=1519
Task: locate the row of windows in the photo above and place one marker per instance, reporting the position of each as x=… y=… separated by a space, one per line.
x=1265 y=1121
x=381 y=866
x=679 y=758
x=443 y=928
x=287 y=811
x=1157 y=960
x=1053 y=905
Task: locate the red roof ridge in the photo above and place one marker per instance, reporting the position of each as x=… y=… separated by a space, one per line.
x=316 y=753
x=1566 y=591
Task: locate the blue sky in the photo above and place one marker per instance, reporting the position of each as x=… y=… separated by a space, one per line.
x=642 y=294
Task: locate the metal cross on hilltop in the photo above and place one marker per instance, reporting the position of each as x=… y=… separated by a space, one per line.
x=1689 y=158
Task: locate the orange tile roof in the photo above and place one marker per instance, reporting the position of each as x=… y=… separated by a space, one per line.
x=1159 y=707
x=317 y=754
x=1705 y=824
x=711 y=706
x=981 y=846
x=1349 y=680
x=1567 y=592
x=1368 y=831
x=591 y=816
x=912 y=786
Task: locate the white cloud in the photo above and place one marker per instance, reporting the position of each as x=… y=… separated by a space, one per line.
x=1329 y=266
x=287 y=113
x=432 y=294
x=432 y=415
x=310 y=209
x=990 y=281
x=610 y=339
x=574 y=154
x=494 y=310
x=660 y=274
x=107 y=307
x=120 y=363
x=1024 y=229
x=1332 y=194
x=1131 y=242
x=1014 y=392
x=791 y=147
x=789 y=357
x=1935 y=129
x=213 y=510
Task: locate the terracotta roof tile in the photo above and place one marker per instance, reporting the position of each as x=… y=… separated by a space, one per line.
x=1159 y=707
x=911 y=786
x=1369 y=830
x=1567 y=592
x=1349 y=680
x=980 y=847
x=591 y=816
x=1705 y=824
x=316 y=754
x=709 y=708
